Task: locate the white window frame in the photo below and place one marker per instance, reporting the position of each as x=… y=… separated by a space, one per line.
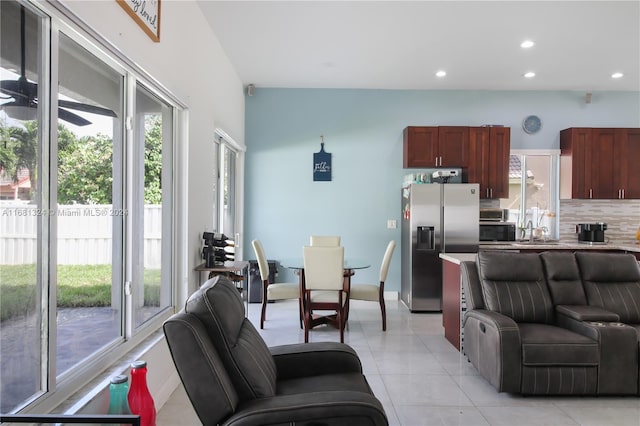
x=222 y=140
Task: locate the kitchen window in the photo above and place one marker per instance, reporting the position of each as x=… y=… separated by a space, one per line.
x=533 y=192
x=87 y=212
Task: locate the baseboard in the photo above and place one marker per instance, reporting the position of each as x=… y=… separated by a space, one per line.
x=391 y=295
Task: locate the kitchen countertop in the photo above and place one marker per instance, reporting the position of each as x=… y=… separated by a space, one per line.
x=458 y=257
x=630 y=246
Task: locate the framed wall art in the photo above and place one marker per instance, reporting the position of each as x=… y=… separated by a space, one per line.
x=146 y=13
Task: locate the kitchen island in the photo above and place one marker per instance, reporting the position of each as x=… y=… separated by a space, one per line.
x=452 y=295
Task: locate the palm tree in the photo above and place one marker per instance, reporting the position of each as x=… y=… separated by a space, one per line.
x=7 y=156
x=20 y=151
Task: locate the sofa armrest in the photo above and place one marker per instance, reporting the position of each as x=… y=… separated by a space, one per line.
x=327 y=408
x=492 y=344
x=315 y=358
x=618 y=366
x=587 y=313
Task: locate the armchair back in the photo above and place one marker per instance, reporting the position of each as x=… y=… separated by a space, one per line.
x=200 y=370
x=244 y=354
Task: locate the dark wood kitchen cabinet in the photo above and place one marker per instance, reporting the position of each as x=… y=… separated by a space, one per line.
x=420 y=146
x=453 y=146
x=489 y=147
x=630 y=170
x=432 y=146
x=578 y=161
x=601 y=163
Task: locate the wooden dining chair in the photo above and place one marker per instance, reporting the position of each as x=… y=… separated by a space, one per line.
x=324 y=241
x=273 y=291
x=323 y=288
x=375 y=292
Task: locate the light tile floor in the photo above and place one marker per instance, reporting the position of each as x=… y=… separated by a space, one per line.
x=421 y=378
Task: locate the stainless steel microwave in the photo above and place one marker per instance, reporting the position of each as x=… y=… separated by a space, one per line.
x=497 y=231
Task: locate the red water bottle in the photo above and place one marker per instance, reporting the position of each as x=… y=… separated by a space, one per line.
x=140 y=400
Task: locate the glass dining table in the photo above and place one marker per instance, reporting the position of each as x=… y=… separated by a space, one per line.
x=351 y=264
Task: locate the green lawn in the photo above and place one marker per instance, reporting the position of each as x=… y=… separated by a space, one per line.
x=78 y=285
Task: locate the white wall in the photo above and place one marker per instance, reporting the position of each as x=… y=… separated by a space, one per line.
x=190 y=63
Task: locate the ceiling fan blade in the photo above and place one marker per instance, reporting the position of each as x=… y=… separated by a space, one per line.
x=19 y=110
x=86 y=108
x=19 y=88
x=72 y=118
x=10 y=87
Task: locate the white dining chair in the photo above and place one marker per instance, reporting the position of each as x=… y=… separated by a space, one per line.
x=324 y=241
x=323 y=288
x=273 y=291
x=375 y=292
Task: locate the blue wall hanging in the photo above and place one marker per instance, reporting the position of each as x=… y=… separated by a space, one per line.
x=322 y=164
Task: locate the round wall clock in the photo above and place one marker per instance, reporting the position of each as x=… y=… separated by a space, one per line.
x=532 y=124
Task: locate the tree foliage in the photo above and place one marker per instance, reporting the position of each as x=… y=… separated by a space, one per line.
x=153 y=160
x=85 y=164
x=85 y=171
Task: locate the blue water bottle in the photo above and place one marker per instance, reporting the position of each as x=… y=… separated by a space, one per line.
x=118 y=390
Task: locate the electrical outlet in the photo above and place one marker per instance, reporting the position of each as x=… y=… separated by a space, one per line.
x=391 y=224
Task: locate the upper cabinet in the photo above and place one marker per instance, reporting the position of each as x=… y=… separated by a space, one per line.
x=490 y=148
x=481 y=152
x=430 y=146
x=600 y=163
x=420 y=147
x=453 y=146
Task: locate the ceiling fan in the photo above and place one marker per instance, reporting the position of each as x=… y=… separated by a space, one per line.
x=25 y=94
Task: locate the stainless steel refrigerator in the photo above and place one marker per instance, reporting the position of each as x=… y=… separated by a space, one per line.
x=436 y=218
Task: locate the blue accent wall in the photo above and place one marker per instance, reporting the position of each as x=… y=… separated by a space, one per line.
x=363 y=131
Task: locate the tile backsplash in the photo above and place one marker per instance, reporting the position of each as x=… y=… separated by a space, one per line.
x=621 y=216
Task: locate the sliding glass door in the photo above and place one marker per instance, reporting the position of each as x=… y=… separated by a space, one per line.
x=86 y=206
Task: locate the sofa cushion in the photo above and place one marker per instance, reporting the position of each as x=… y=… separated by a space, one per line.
x=563 y=278
x=544 y=344
x=244 y=353
x=612 y=282
x=514 y=285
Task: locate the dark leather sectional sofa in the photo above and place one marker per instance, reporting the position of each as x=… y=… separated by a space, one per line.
x=554 y=323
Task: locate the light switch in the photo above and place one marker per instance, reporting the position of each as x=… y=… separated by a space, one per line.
x=391 y=224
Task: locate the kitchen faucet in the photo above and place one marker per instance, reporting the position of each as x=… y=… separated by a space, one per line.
x=530 y=228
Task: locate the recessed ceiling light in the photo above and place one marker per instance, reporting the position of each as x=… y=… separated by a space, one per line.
x=530 y=74
x=617 y=75
x=527 y=44
x=441 y=73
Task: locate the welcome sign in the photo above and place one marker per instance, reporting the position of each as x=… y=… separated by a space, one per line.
x=322 y=165
x=146 y=13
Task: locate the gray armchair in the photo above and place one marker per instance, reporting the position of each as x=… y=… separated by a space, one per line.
x=233 y=378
